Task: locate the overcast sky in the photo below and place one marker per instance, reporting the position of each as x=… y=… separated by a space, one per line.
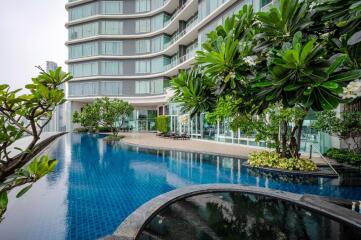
x=31 y=32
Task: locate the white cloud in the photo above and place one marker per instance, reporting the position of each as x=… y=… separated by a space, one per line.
x=32 y=32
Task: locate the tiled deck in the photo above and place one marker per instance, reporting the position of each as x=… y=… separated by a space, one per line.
x=153 y=141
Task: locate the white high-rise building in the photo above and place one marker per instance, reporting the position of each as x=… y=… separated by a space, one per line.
x=129 y=49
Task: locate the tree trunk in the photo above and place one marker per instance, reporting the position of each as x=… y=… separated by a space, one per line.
x=284 y=131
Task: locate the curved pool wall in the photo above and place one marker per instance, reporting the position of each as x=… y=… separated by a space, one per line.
x=96 y=185
x=232 y=211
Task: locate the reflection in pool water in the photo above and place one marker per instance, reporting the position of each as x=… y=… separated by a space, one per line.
x=235 y=215
x=96 y=185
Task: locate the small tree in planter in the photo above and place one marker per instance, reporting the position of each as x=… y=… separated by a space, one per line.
x=21 y=115
x=114 y=113
x=103 y=112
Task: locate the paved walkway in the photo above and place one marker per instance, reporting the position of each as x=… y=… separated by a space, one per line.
x=153 y=141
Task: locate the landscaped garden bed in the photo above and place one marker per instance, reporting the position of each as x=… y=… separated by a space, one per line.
x=266 y=159
x=345 y=156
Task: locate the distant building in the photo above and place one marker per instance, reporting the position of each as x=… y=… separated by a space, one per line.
x=57 y=122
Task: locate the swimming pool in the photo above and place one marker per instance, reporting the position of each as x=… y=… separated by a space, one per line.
x=96 y=185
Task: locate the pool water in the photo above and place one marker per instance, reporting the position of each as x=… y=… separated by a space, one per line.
x=96 y=185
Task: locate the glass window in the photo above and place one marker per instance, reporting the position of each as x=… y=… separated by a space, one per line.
x=157 y=86
x=112 y=48
x=111 y=88
x=83 y=11
x=142 y=66
x=112 y=7
x=111 y=68
x=90 y=88
x=84 y=50
x=142 y=26
x=90 y=29
x=157 y=22
x=142 y=46
x=157 y=65
x=142 y=6
x=142 y=87
x=112 y=27
x=84 y=69
x=157 y=44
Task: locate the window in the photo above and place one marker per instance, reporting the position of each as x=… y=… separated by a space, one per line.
x=90 y=29
x=112 y=7
x=142 y=46
x=112 y=48
x=142 y=26
x=111 y=88
x=83 y=89
x=149 y=87
x=157 y=44
x=84 y=69
x=83 y=50
x=142 y=87
x=157 y=65
x=112 y=27
x=142 y=66
x=111 y=68
x=157 y=86
x=142 y=6
x=157 y=22
x=83 y=11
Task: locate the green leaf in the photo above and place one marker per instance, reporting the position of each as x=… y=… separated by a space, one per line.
x=262 y=84
x=23 y=191
x=3 y=200
x=346 y=76
x=336 y=63
x=330 y=85
x=355 y=38
x=292 y=87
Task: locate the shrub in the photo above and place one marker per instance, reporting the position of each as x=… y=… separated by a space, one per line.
x=274 y=160
x=162 y=124
x=113 y=138
x=81 y=130
x=344 y=156
x=104 y=129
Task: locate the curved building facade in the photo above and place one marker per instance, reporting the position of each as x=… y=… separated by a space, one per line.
x=130 y=49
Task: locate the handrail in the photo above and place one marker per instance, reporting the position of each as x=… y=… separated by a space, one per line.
x=326 y=160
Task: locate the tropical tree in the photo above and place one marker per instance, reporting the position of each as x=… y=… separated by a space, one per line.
x=21 y=115
x=103 y=112
x=281 y=57
x=347 y=127
x=113 y=113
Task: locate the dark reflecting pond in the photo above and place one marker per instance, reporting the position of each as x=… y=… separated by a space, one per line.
x=235 y=215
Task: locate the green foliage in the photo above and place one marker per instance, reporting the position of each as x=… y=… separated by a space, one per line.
x=113 y=138
x=36 y=169
x=347 y=127
x=28 y=114
x=162 y=124
x=298 y=55
x=345 y=156
x=193 y=91
x=274 y=160
x=104 y=113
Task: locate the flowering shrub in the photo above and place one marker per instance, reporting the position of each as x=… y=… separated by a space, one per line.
x=274 y=160
x=352 y=90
